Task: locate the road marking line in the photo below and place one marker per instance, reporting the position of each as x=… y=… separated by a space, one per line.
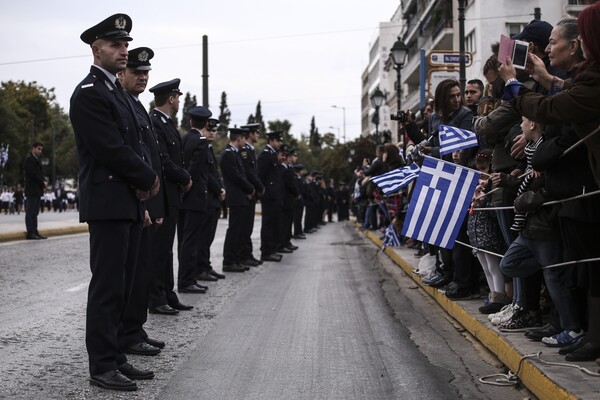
x=78 y=287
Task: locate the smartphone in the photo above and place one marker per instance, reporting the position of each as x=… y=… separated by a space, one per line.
x=519 y=58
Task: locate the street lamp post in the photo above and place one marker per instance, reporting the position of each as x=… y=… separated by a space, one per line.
x=344 y=115
x=399 y=51
x=377 y=99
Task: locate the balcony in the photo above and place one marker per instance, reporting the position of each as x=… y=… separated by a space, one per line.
x=574 y=7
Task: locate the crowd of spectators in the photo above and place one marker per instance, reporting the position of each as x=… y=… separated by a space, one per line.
x=534 y=216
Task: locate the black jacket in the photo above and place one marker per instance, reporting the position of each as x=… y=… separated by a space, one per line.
x=270 y=174
x=111 y=164
x=195 y=158
x=169 y=141
x=215 y=185
x=236 y=184
x=34 y=178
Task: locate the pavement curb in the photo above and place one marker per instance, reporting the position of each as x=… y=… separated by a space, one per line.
x=532 y=377
x=67 y=230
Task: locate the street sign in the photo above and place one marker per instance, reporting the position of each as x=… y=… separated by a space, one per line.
x=435 y=76
x=448 y=58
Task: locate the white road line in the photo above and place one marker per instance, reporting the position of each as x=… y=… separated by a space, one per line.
x=78 y=287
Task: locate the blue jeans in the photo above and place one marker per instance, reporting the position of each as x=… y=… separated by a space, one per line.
x=525 y=257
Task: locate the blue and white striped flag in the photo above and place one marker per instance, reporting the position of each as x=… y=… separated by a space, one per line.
x=393 y=181
x=454 y=139
x=390 y=238
x=439 y=202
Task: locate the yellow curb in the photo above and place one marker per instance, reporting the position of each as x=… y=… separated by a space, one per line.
x=68 y=230
x=531 y=376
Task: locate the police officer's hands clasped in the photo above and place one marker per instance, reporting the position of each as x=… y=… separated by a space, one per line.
x=143 y=195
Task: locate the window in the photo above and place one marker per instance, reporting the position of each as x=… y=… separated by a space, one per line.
x=514 y=28
x=470 y=44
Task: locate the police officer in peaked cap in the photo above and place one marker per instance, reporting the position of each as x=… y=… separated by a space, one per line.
x=163 y=298
x=194 y=202
x=114 y=180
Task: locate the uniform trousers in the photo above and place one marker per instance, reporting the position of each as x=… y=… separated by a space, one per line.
x=247 y=227
x=232 y=249
x=271 y=220
x=162 y=284
x=114 y=247
x=136 y=311
x=193 y=225
x=32 y=209
x=298 y=213
x=287 y=221
x=207 y=237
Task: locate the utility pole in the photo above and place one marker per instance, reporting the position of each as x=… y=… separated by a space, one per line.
x=205 y=71
x=461 y=44
x=537 y=13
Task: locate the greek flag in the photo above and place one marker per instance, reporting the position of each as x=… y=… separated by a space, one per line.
x=454 y=139
x=390 y=238
x=393 y=181
x=3 y=155
x=440 y=202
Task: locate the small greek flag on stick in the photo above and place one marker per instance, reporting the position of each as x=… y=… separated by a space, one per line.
x=439 y=202
x=390 y=238
x=454 y=139
x=391 y=182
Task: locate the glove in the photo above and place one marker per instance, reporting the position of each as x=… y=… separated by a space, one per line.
x=529 y=201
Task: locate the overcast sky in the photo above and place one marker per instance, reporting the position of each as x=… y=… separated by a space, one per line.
x=298 y=57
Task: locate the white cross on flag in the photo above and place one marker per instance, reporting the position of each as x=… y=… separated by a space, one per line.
x=454 y=139
x=439 y=202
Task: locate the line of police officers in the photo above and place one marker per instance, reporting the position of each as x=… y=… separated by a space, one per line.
x=141 y=183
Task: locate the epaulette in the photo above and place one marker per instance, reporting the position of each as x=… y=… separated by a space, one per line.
x=88 y=85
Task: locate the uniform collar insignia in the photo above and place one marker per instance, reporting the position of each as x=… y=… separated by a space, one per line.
x=108 y=85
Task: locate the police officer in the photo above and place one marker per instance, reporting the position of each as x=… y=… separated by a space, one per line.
x=163 y=299
x=290 y=194
x=134 y=339
x=271 y=176
x=249 y=159
x=114 y=179
x=240 y=193
x=216 y=193
x=193 y=217
x=299 y=203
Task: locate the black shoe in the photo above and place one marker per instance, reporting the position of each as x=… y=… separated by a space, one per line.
x=181 y=307
x=164 y=310
x=271 y=257
x=192 y=289
x=284 y=250
x=113 y=380
x=205 y=276
x=299 y=236
x=545 y=331
x=33 y=237
x=142 y=349
x=216 y=274
x=256 y=261
x=571 y=348
x=233 y=268
x=249 y=263
x=201 y=286
x=491 y=308
x=292 y=247
x=41 y=237
x=134 y=373
x=159 y=344
x=587 y=352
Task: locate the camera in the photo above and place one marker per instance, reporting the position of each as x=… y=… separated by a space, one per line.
x=401 y=117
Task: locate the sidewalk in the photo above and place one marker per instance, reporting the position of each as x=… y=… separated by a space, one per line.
x=545 y=381
x=12 y=226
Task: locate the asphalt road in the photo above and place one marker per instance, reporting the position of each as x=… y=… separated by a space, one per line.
x=328 y=323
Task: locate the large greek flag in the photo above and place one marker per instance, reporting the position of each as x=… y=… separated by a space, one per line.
x=454 y=139
x=439 y=202
x=393 y=181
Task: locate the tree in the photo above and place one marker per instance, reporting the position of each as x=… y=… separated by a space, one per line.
x=224 y=116
x=284 y=126
x=189 y=102
x=314 y=139
x=258 y=118
x=28 y=112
